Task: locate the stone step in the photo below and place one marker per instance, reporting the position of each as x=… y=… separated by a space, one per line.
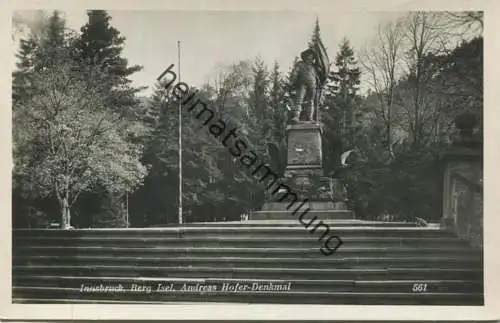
x=460 y=300
x=228 y=285
x=308 y=240
x=288 y=262
x=240 y=231
x=376 y=264
x=252 y=272
x=241 y=252
x=70 y=295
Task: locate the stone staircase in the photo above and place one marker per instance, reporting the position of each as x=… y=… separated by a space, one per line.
x=378 y=263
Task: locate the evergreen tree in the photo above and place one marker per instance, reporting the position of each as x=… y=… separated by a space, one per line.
x=201 y=166
x=98 y=53
x=316 y=34
x=55 y=35
x=346 y=80
x=339 y=108
x=156 y=201
x=101 y=45
x=277 y=100
x=39 y=51
x=258 y=100
x=21 y=76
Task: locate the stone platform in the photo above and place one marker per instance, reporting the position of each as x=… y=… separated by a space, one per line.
x=315 y=205
x=323 y=210
x=319 y=214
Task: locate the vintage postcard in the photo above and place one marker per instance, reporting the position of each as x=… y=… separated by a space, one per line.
x=264 y=160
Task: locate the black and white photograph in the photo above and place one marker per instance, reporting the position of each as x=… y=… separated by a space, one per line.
x=325 y=157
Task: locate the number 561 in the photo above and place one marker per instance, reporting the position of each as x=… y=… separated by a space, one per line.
x=419 y=288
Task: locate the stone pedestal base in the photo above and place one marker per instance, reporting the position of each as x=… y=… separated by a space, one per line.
x=304 y=178
x=314 y=206
x=324 y=210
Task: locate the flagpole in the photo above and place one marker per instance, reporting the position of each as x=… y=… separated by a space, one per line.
x=180 y=134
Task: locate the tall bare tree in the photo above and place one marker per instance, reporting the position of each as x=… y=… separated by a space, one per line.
x=423 y=40
x=382 y=63
x=231 y=81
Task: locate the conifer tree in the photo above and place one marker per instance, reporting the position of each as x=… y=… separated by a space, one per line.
x=340 y=105
x=346 y=84
x=55 y=34
x=316 y=33
x=258 y=100
x=98 y=51
x=20 y=77
x=278 y=104
x=101 y=44
x=39 y=51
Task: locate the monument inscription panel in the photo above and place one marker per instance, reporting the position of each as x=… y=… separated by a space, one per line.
x=305 y=147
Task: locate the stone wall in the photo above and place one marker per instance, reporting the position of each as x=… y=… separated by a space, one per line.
x=463 y=200
x=463 y=183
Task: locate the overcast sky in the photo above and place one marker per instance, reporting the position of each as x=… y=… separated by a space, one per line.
x=209 y=38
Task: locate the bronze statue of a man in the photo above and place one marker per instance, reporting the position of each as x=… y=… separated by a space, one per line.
x=306 y=86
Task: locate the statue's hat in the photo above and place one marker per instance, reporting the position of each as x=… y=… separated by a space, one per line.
x=307 y=52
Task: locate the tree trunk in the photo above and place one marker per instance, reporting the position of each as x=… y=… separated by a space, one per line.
x=389 y=120
x=66 y=215
x=389 y=138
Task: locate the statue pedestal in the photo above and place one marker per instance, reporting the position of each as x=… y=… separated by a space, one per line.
x=304 y=152
x=304 y=175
